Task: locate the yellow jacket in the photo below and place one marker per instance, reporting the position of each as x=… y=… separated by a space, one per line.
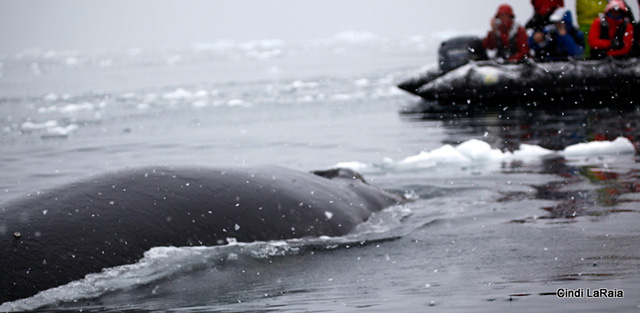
x=588 y=10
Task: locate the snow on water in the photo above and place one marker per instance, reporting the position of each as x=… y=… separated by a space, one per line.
x=480 y=155
x=162 y=262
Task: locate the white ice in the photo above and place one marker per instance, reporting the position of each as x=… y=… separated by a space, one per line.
x=478 y=153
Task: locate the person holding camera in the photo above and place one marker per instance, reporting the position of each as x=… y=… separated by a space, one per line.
x=542 y=10
x=559 y=40
x=611 y=33
x=506 y=36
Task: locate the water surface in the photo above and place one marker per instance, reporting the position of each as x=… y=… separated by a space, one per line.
x=481 y=234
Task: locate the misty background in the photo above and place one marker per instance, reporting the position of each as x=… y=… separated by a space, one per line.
x=120 y=24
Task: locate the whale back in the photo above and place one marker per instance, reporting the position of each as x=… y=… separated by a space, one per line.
x=57 y=236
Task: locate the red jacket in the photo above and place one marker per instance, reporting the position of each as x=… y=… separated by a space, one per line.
x=544 y=7
x=595 y=42
x=517 y=44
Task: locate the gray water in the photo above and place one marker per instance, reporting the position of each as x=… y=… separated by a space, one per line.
x=483 y=236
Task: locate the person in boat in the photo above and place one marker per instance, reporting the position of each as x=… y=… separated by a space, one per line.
x=558 y=41
x=542 y=10
x=506 y=36
x=611 y=33
x=587 y=11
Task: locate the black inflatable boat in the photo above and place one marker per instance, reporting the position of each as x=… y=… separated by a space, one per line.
x=464 y=75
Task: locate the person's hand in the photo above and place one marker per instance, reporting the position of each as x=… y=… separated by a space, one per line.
x=494 y=25
x=617 y=44
x=538 y=37
x=562 y=29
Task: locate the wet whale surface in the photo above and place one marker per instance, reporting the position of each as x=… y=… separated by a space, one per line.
x=53 y=237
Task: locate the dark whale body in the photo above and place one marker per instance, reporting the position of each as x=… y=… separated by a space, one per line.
x=57 y=236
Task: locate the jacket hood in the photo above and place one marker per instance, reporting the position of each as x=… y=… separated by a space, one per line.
x=616 y=5
x=562 y=15
x=505 y=9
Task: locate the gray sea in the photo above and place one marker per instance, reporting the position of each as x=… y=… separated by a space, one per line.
x=511 y=203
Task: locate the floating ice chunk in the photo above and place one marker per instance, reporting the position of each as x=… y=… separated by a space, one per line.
x=178 y=94
x=70 y=108
x=479 y=153
x=443 y=155
x=201 y=94
x=307 y=98
x=298 y=84
x=387 y=92
x=478 y=150
x=530 y=152
x=342 y=97
x=36 y=126
x=128 y=95
x=269 y=44
x=620 y=145
x=71 y=61
x=361 y=82
x=265 y=55
x=51 y=97
x=199 y=104
x=238 y=103
x=356 y=166
x=62 y=131
x=48 y=109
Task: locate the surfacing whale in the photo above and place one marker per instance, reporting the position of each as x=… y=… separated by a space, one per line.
x=56 y=236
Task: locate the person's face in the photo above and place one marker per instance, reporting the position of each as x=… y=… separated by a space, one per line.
x=505 y=18
x=615 y=13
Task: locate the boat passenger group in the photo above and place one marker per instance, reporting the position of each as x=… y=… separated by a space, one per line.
x=550 y=34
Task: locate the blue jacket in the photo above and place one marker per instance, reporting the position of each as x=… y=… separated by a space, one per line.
x=557 y=47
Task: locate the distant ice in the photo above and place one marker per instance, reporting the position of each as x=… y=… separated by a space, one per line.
x=221 y=45
x=72 y=61
x=51 y=128
x=264 y=55
x=264 y=44
x=28 y=126
x=51 y=97
x=239 y=103
x=178 y=94
x=356 y=37
x=71 y=108
x=350 y=37
x=61 y=131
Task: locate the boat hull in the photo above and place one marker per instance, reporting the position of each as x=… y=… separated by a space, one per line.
x=490 y=80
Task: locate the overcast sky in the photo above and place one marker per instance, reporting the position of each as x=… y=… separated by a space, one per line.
x=92 y=25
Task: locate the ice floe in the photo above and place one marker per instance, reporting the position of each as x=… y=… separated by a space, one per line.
x=478 y=153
